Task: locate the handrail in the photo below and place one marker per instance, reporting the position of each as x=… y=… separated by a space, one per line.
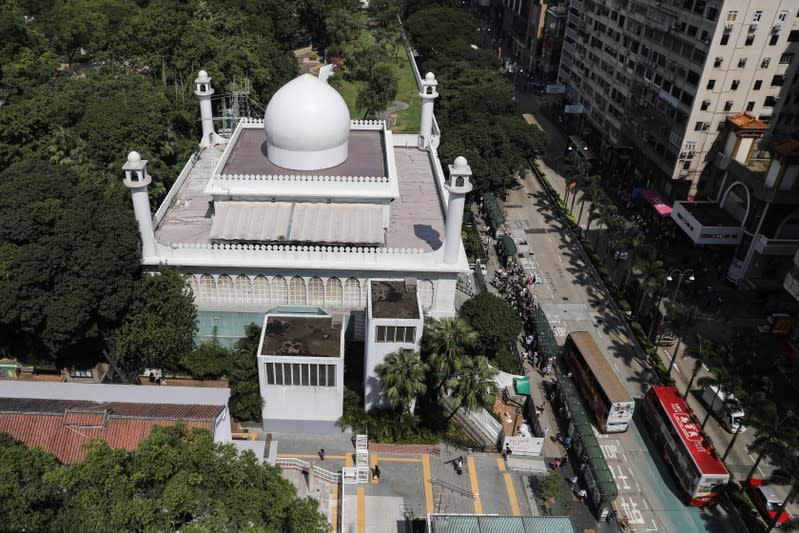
x=454 y=488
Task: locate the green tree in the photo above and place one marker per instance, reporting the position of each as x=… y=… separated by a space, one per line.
x=68 y=260
x=159 y=327
x=682 y=319
x=773 y=434
x=446 y=342
x=474 y=385
x=30 y=501
x=342 y=26
x=496 y=324
x=651 y=275
x=402 y=379
x=379 y=92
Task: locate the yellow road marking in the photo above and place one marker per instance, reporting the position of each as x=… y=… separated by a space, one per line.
x=478 y=505
x=514 y=503
x=501 y=464
x=309 y=456
x=372 y=464
x=334 y=511
x=428 y=483
x=361 y=509
x=348 y=459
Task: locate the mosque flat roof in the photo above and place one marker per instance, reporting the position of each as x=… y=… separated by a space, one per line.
x=302 y=336
x=416 y=221
x=366 y=150
x=391 y=299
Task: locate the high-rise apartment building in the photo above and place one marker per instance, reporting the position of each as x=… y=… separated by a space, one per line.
x=658 y=78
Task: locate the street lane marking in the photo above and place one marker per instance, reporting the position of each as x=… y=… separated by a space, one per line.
x=334 y=510
x=361 y=509
x=428 y=483
x=478 y=505
x=348 y=460
x=514 y=501
x=501 y=464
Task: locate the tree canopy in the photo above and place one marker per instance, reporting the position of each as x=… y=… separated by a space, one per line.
x=68 y=259
x=496 y=324
x=177 y=479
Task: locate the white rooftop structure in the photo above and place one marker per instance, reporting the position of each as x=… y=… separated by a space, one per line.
x=306 y=206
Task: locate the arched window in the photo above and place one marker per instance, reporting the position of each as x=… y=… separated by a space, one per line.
x=207 y=287
x=260 y=290
x=316 y=291
x=224 y=289
x=426 y=294
x=195 y=288
x=243 y=290
x=736 y=202
x=297 y=291
x=333 y=292
x=352 y=293
x=280 y=290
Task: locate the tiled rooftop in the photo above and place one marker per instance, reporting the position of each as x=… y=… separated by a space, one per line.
x=302 y=336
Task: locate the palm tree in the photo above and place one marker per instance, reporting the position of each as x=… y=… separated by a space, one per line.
x=682 y=319
x=474 y=386
x=697 y=368
x=597 y=200
x=772 y=435
x=591 y=184
x=641 y=252
x=786 y=474
x=402 y=378
x=609 y=218
x=446 y=342
x=651 y=276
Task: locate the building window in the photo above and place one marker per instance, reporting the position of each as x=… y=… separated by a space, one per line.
x=333 y=292
x=243 y=289
x=720 y=126
x=770 y=101
x=727 y=105
x=781 y=16
x=742 y=62
x=711 y=84
x=758 y=84
x=749 y=39
x=280 y=290
x=224 y=289
x=300 y=375
x=750 y=106
x=732 y=14
x=717 y=62
x=297 y=291
x=352 y=293
x=260 y=290
x=773 y=39
x=705 y=105
x=725 y=38
x=406 y=334
x=734 y=85
x=207 y=287
x=778 y=80
x=765 y=63
x=686 y=165
x=786 y=59
x=316 y=291
x=756 y=16
x=701 y=126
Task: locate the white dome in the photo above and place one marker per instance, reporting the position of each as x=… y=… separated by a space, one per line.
x=307 y=125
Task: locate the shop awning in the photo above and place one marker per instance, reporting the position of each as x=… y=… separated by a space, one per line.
x=522 y=385
x=658 y=201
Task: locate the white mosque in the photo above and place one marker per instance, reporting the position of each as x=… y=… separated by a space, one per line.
x=298 y=213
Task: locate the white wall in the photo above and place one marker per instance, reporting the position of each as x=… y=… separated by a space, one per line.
x=375 y=354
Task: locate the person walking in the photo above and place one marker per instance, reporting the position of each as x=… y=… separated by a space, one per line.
x=567 y=442
x=321 y=454
x=582 y=495
x=376 y=472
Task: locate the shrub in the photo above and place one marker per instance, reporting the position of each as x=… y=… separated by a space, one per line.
x=551 y=488
x=751 y=518
x=506 y=362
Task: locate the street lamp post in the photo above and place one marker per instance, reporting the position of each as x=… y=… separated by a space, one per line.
x=681 y=274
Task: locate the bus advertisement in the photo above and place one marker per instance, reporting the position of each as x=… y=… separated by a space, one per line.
x=598 y=384
x=697 y=468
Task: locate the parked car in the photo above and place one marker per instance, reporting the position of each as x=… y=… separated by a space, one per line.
x=621 y=255
x=767 y=502
x=665 y=339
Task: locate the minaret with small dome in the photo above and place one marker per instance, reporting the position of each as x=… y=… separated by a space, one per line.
x=136 y=179
x=428 y=95
x=204 y=91
x=458 y=186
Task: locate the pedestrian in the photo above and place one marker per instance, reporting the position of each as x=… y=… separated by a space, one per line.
x=582 y=495
x=542 y=406
x=583 y=466
x=376 y=472
x=321 y=454
x=546 y=432
x=556 y=464
x=573 y=481
x=611 y=516
x=564 y=461
x=567 y=442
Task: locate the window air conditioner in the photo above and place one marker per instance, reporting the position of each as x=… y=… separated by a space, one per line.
x=752 y=27
x=729 y=27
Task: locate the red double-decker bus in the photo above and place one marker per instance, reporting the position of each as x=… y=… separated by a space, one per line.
x=697 y=468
